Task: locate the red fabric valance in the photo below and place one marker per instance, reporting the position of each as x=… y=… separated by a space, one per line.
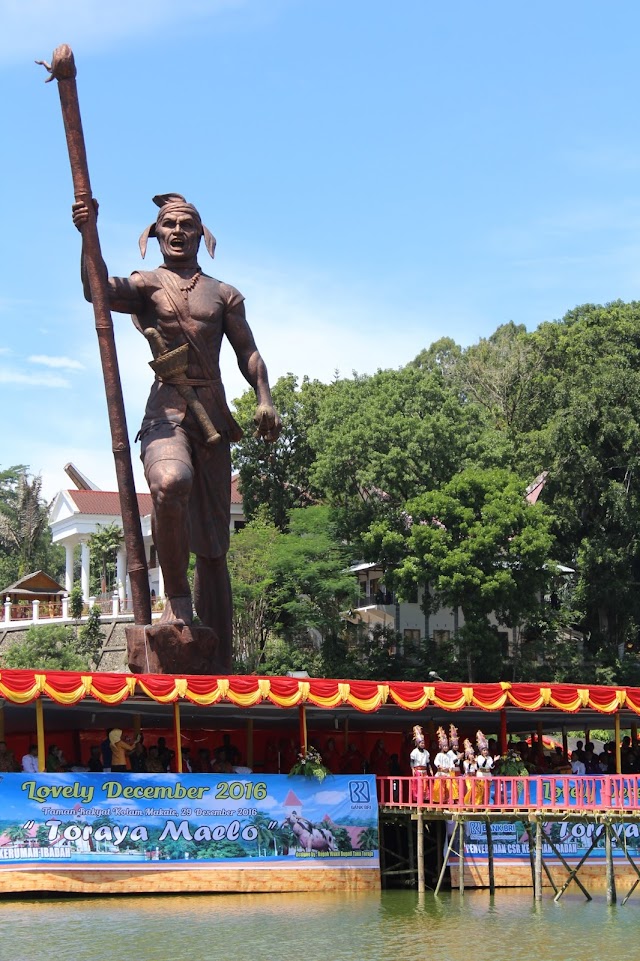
x=69 y=687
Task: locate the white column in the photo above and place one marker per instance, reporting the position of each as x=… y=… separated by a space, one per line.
x=160 y=583
x=7 y=610
x=84 y=571
x=65 y=607
x=68 y=569
x=115 y=604
x=121 y=573
x=36 y=610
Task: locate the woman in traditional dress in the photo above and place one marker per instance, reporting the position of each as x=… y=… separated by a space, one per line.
x=484 y=764
x=470 y=768
x=442 y=764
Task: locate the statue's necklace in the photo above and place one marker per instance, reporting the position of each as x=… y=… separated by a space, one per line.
x=190 y=285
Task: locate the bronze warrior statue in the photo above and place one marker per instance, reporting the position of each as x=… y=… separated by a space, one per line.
x=187 y=427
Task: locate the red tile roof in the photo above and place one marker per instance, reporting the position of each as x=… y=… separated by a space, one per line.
x=236 y=496
x=106 y=502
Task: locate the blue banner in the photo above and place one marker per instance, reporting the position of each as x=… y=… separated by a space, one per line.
x=181 y=818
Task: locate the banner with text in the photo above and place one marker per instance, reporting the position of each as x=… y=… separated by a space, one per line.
x=181 y=818
x=572 y=839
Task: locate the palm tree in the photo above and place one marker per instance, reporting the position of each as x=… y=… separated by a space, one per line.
x=368 y=840
x=22 y=526
x=264 y=837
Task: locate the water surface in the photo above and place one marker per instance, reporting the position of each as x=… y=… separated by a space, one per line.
x=391 y=926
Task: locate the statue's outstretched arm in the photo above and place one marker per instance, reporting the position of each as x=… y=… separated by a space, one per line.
x=254 y=370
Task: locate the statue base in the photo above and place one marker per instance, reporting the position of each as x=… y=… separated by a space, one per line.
x=175 y=649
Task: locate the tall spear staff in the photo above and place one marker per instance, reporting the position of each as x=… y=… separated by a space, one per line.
x=63 y=69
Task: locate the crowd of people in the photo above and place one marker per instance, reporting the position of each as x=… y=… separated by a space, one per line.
x=121 y=753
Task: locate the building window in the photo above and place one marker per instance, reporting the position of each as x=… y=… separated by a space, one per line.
x=153 y=556
x=441 y=637
x=411 y=634
x=503 y=637
x=238 y=525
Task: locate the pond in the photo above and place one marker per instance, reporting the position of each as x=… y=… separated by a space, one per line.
x=389 y=926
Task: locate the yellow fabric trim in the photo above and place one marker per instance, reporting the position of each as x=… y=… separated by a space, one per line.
x=264 y=686
x=290 y=701
x=244 y=700
x=68 y=697
x=160 y=698
x=19 y=698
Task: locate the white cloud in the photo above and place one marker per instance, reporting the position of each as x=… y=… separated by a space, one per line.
x=65 y=363
x=32 y=380
x=31 y=28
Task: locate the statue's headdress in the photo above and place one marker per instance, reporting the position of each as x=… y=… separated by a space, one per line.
x=468 y=748
x=443 y=743
x=453 y=737
x=481 y=741
x=177 y=204
x=418 y=734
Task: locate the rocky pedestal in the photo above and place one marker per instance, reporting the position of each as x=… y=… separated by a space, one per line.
x=175 y=649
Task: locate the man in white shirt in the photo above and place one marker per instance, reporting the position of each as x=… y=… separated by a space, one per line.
x=30 y=760
x=577 y=766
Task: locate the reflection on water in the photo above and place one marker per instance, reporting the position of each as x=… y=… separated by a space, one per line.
x=391 y=926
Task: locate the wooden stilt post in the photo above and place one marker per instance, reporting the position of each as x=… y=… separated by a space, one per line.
x=634 y=734
x=42 y=759
x=412 y=861
x=420 y=850
x=439 y=845
x=537 y=888
x=178 y=735
x=532 y=860
x=137 y=723
x=445 y=862
x=460 y=828
x=573 y=872
x=565 y=743
x=492 y=876
x=635 y=868
x=608 y=852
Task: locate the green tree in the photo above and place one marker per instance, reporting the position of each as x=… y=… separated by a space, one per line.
x=286 y=584
x=586 y=414
x=383 y=439
x=46 y=648
x=91 y=637
x=104 y=544
x=480 y=547
x=276 y=477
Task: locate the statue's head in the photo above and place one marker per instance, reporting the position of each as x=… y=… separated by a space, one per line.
x=178 y=229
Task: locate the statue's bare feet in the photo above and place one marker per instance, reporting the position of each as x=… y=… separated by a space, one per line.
x=178 y=610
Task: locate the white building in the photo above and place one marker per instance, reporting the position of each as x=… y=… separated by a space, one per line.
x=76 y=514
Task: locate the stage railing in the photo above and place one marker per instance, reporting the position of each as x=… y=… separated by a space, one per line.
x=603 y=792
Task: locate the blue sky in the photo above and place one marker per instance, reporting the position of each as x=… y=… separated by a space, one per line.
x=377 y=175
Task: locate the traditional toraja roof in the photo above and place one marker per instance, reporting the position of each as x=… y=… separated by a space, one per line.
x=236 y=496
x=35 y=583
x=70 y=687
x=105 y=502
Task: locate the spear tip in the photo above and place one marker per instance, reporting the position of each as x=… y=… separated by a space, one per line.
x=62 y=66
